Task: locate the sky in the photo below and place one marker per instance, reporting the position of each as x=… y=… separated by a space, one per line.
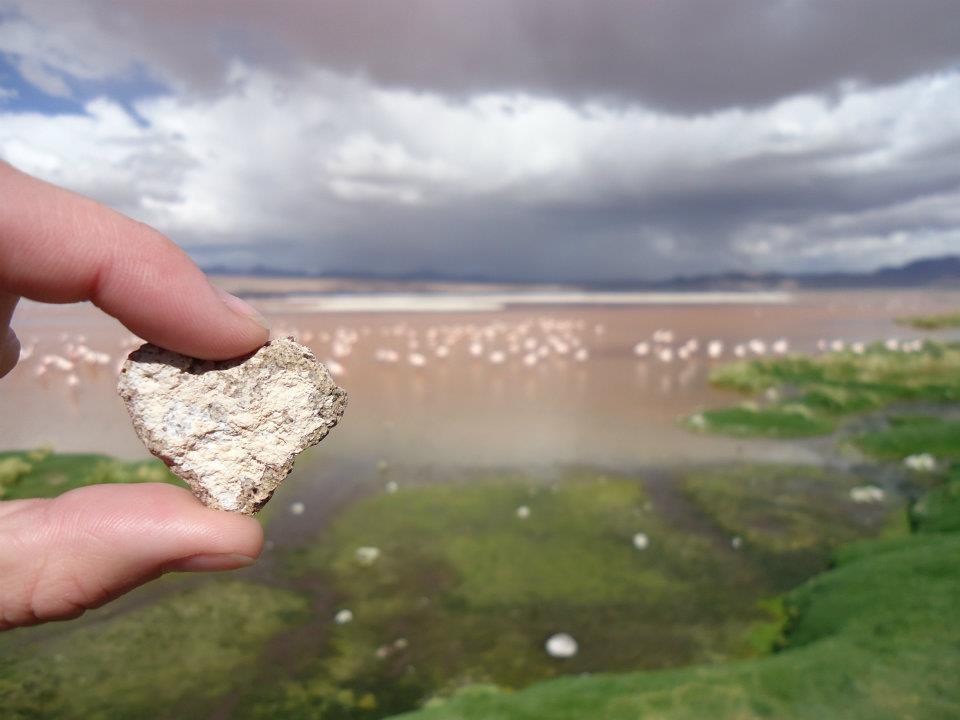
x=549 y=140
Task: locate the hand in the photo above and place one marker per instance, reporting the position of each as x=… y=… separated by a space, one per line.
x=62 y=556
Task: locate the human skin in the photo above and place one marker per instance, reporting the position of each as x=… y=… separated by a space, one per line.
x=62 y=556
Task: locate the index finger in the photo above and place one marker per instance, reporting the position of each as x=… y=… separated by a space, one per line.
x=59 y=247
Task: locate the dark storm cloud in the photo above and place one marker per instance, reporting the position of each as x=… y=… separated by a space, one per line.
x=682 y=55
x=686 y=225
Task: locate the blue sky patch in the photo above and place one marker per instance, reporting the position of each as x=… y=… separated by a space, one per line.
x=135 y=85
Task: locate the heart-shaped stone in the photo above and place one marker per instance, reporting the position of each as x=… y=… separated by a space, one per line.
x=231 y=429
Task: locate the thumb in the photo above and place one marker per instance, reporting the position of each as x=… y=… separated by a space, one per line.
x=61 y=557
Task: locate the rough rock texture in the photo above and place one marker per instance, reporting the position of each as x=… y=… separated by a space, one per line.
x=231 y=429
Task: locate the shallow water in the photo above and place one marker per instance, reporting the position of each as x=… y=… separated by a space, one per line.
x=608 y=407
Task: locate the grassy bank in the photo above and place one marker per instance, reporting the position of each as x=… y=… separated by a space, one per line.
x=945 y=321
x=43 y=473
x=803 y=396
x=903 y=436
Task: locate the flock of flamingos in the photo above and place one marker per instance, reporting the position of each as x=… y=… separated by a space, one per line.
x=524 y=344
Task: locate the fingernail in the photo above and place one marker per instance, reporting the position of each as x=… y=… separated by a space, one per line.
x=9 y=351
x=210 y=563
x=242 y=307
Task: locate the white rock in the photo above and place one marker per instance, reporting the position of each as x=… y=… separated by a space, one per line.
x=231 y=429
x=921 y=462
x=367 y=555
x=867 y=494
x=343 y=617
x=561 y=645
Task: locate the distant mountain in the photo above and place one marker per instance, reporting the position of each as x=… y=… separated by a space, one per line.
x=941 y=271
x=944 y=270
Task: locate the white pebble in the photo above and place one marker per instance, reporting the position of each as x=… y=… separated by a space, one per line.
x=922 y=462
x=561 y=645
x=867 y=494
x=367 y=555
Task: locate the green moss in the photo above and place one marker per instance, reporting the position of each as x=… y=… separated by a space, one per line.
x=40 y=473
x=913 y=435
x=772 y=422
x=465 y=593
x=840 y=400
x=939 y=509
x=819 y=390
x=875 y=638
x=785 y=508
x=471 y=592
x=12 y=470
x=944 y=321
x=477 y=589
x=171 y=659
x=931 y=374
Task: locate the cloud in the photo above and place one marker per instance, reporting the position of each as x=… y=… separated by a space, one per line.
x=535 y=139
x=686 y=56
x=42 y=77
x=323 y=171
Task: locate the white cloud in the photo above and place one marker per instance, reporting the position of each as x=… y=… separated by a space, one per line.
x=348 y=173
x=62 y=41
x=42 y=77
